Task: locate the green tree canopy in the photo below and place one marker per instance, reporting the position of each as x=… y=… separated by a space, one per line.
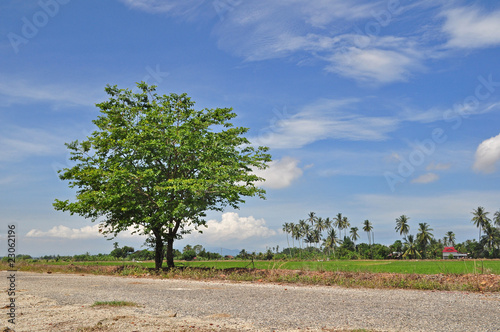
x=156 y=164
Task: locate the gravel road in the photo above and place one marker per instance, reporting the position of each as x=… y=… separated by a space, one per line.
x=60 y=302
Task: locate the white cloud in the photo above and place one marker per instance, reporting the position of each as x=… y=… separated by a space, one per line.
x=335 y=32
x=373 y=65
x=468 y=27
x=323 y=30
x=233 y=228
x=61 y=231
x=426 y=178
x=280 y=173
x=86 y=232
x=184 y=8
x=487 y=155
x=14 y=90
x=17 y=143
x=438 y=166
x=325 y=120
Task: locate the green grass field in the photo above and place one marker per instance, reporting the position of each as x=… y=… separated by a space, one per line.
x=390 y=266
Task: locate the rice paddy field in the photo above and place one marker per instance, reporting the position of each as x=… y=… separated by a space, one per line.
x=392 y=266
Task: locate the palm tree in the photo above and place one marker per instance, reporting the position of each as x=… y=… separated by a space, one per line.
x=328 y=223
x=480 y=219
x=316 y=236
x=291 y=227
x=424 y=236
x=450 y=237
x=491 y=236
x=306 y=233
x=345 y=225
x=354 y=235
x=368 y=228
x=402 y=225
x=338 y=222
x=331 y=240
x=297 y=233
x=286 y=229
x=312 y=218
x=411 y=247
x=319 y=227
x=497 y=218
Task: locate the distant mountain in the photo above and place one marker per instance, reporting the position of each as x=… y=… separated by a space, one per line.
x=225 y=251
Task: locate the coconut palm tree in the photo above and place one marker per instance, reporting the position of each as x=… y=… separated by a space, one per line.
x=491 y=236
x=331 y=240
x=411 y=247
x=328 y=223
x=287 y=230
x=312 y=218
x=291 y=228
x=480 y=219
x=496 y=218
x=298 y=232
x=338 y=222
x=354 y=235
x=402 y=225
x=450 y=238
x=424 y=236
x=306 y=232
x=319 y=226
x=368 y=228
x=345 y=225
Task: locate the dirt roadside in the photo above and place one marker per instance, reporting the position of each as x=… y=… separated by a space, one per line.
x=59 y=302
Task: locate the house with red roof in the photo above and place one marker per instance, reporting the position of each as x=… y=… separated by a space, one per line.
x=447 y=251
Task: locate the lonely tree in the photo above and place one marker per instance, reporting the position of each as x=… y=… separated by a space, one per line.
x=156 y=165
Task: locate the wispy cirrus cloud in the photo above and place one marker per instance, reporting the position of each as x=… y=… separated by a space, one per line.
x=374 y=64
x=438 y=166
x=23 y=91
x=472 y=27
x=183 y=8
x=326 y=119
x=322 y=30
x=354 y=39
x=426 y=178
x=17 y=143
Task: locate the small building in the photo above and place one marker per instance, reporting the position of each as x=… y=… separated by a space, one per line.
x=447 y=251
x=395 y=255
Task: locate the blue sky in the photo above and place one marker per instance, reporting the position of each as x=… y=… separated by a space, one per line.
x=371 y=108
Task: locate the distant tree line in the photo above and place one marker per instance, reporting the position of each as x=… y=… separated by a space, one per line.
x=317 y=236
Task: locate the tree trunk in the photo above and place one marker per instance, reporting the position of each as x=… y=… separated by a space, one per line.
x=170 y=253
x=158 y=251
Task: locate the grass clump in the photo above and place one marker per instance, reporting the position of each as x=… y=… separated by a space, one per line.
x=113 y=304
